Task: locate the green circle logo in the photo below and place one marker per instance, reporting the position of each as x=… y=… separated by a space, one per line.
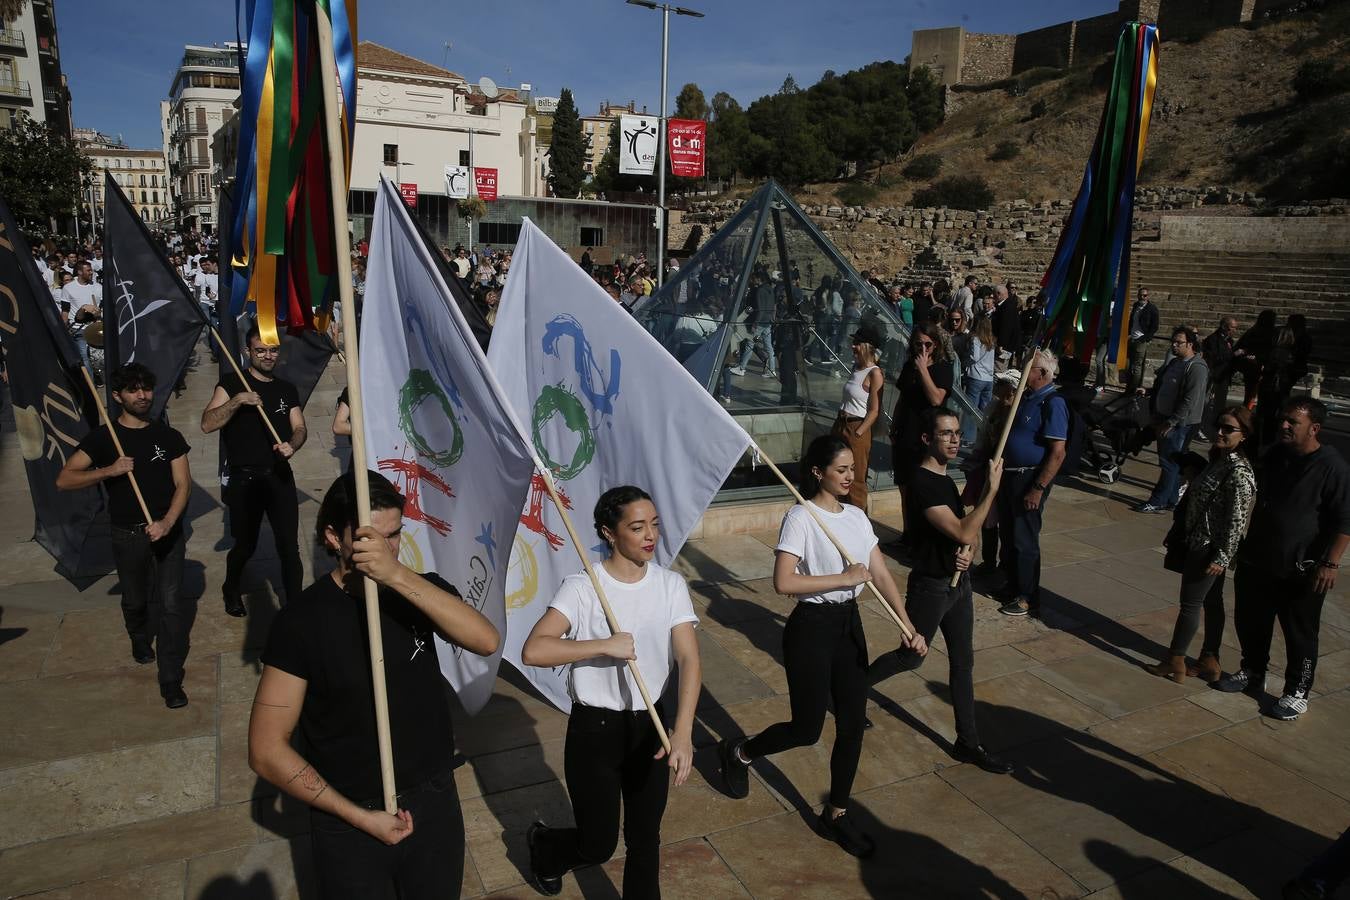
x=421 y=386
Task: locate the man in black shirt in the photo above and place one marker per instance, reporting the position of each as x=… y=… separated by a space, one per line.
x=260 y=478
x=941 y=545
x=316 y=674
x=1288 y=561
x=148 y=554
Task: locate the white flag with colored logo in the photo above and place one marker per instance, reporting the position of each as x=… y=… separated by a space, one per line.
x=440 y=430
x=457 y=181
x=639 y=138
x=606 y=406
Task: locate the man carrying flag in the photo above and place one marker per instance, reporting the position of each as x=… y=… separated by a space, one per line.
x=260 y=478
x=149 y=555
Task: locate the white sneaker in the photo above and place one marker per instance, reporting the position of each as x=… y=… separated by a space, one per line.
x=1288 y=707
x=737 y=370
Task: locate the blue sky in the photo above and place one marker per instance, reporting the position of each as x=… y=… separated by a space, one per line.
x=120 y=56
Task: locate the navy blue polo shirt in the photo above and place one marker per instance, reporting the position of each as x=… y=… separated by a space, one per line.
x=1041 y=417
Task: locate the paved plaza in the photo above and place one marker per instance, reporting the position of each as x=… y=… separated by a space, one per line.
x=1127 y=785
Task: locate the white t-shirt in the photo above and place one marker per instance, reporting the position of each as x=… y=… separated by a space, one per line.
x=647 y=610
x=204 y=286
x=82 y=295
x=802 y=537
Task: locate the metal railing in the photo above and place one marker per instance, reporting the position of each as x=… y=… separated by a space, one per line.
x=15 y=89
x=11 y=38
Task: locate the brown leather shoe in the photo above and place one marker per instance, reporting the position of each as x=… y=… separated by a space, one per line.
x=1173 y=668
x=1207 y=668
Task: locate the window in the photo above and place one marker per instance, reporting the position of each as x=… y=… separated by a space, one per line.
x=391 y=154
x=203 y=185
x=143 y=200
x=142 y=181
x=498 y=233
x=117 y=164
x=592 y=237
x=464 y=157
x=154 y=196
x=140 y=163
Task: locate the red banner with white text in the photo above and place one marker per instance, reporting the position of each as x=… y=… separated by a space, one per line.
x=409 y=194
x=687 y=140
x=485 y=183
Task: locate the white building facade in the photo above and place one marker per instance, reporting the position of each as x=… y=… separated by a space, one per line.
x=204 y=88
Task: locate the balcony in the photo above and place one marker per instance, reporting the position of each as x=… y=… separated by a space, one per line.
x=55 y=96
x=12 y=41
x=15 y=92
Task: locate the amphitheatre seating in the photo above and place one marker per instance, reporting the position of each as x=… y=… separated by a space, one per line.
x=1195 y=286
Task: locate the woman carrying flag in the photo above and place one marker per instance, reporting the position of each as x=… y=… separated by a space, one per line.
x=613 y=752
x=824 y=648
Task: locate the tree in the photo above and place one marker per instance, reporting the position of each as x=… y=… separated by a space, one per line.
x=567 y=154
x=41 y=173
x=10 y=9
x=690 y=103
x=925 y=99
x=789 y=86
x=728 y=135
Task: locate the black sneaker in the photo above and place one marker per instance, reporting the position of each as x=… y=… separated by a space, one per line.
x=544 y=884
x=142 y=652
x=735 y=774
x=173 y=694
x=1243 y=680
x=982 y=758
x=843 y=832
x=234 y=606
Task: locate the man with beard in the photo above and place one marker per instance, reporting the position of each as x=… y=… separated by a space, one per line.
x=149 y=555
x=316 y=676
x=260 y=478
x=1287 y=563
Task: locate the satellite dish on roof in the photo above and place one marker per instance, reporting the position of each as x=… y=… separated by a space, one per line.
x=488 y=87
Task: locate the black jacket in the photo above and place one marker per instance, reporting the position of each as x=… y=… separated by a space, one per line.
x=1007 y=327
x=1302 y=504
x=1218 y=352
x=1147 y=321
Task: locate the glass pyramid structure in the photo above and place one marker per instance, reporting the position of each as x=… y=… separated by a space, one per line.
x=763 y=315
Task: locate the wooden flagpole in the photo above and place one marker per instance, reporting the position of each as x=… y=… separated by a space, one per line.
x=1008 y=423
x=117 y=442
x=332 y=116
x=234 y=364
x=604 y=604
x=848 y=560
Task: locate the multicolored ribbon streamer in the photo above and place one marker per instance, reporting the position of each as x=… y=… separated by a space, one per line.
x=1086 y=286
x=284 y=259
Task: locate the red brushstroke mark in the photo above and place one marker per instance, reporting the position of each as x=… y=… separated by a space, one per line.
x=408 y=477
x=533 y=517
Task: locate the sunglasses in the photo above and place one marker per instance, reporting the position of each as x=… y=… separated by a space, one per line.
x=1228 y=429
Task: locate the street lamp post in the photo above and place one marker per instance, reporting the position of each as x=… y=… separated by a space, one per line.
x=666 y=10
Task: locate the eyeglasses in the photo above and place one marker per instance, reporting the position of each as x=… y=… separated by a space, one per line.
x=948 y=434
x=1228 y=429
x=265 y=351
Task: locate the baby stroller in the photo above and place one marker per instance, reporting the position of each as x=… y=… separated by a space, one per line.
x=1116 y=430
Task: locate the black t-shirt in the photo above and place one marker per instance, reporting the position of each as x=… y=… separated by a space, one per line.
x=247 y=440
x=321 y=637
x=913 y=400
x=154 y=448
x=933 y=553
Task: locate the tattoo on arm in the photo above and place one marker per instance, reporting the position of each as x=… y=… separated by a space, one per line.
x=310 y=781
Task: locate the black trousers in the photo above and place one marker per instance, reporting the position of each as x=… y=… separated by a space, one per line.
x=1259 y=599
x=153 y=607
x=825 y=655
x=932 y=604
x=251 y=494
x=1200 y=593
x=607 y=759
x=429 y=863
x=1020 y=535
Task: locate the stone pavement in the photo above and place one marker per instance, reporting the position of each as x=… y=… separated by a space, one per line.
x=1127 y=785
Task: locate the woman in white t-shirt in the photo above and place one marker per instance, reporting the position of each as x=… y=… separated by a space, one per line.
x=824 y=649
x=613 y=750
